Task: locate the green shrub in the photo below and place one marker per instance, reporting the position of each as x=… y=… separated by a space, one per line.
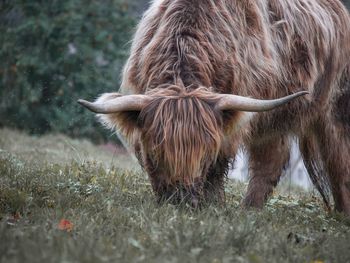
x=54 y=52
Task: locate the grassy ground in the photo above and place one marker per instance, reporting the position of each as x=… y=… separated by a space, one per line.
x=112 y=215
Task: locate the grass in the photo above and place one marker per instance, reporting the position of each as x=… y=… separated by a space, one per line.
x=115 y=217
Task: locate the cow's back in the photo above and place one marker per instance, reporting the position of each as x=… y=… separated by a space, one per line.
x=254 y=48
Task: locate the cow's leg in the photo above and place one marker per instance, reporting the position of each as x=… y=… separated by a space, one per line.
x=214 y=184
x=334 y=143
x=266 y=166
x=314 y=164
x=214 y=189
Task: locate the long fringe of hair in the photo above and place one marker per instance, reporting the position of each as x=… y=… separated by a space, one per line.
x=182 y=131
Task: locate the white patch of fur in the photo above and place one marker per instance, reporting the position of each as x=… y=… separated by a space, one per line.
x=107 y=119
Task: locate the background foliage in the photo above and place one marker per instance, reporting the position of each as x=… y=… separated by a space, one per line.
x=347 y=3
x=54 y=52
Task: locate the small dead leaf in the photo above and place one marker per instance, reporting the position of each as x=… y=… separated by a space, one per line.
x=13 y=219
x=16 y=216
x=65 y=225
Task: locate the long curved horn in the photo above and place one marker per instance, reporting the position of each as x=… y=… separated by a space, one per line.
x=118 y=104
x=234 y=102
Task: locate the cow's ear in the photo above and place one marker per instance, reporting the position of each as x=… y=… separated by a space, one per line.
x=235 y=121
x=124 y=121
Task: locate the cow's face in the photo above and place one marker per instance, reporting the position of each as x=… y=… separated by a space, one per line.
x=180 y=138
x=179 y=135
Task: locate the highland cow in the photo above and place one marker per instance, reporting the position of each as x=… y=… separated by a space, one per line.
x=206 y=77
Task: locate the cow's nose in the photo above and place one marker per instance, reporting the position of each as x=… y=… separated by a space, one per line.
x=194 y=202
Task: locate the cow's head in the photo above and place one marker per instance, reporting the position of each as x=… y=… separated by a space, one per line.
x=179 y=135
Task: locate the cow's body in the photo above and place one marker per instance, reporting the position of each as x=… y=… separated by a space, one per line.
x=263 y=49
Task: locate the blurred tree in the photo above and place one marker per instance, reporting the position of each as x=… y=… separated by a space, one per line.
x=54 y=52
x=141 y=6
x=347 y=3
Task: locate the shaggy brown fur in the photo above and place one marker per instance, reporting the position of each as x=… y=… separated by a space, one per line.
x=171 y=140
x=260 y=49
